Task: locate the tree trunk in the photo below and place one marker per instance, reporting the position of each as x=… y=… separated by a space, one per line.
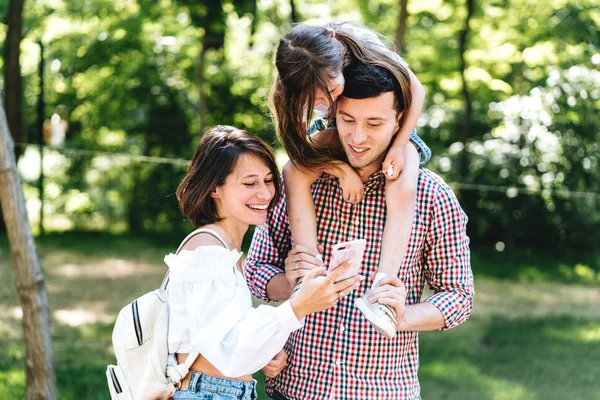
x=13 y=91
x=401 y=29
x=41 y=381
x=200 y=79
x=40 y=131
x=465 y=132
x=294 y=12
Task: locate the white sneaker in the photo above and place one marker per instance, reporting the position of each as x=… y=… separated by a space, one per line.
x=381 y=316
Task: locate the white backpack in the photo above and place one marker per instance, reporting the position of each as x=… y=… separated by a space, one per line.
x=144 y=369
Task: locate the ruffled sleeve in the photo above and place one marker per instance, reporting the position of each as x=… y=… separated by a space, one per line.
x=209 y=299
x=205 y=263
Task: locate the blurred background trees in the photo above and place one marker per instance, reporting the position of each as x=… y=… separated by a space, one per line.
x=511 y=113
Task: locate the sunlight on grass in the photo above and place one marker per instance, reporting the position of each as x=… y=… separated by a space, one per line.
x=111 y=268
x=587 y=334
x=12 y=383
x=78 y=317
x=472 y=376
x=516 y=299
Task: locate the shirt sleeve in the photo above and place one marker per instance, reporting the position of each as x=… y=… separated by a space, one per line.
x=234 y=337
x=447 y=260
x=269 y=248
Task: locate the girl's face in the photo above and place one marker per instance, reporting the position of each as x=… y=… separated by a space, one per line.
x=335 y=87
x=247 y=192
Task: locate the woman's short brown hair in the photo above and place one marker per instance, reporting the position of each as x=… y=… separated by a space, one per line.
x=216 y=157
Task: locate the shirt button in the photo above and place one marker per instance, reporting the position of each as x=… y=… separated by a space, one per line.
x=356 y=221
x=342 y=328
x=338 y=363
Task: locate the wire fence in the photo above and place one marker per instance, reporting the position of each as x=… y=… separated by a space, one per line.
x=511 y=191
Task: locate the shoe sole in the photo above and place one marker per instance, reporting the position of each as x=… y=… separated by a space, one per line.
x=371 y=317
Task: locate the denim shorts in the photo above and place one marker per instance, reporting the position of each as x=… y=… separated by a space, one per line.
x=424 y=150
x=207 y=387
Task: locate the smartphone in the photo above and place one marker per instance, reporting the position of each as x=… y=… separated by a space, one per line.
x=342 y=252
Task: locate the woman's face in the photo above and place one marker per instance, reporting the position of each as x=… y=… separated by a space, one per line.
x=247 y=192
x=335 y=87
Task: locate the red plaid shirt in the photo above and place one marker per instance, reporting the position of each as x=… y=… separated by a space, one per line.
x=338 y=354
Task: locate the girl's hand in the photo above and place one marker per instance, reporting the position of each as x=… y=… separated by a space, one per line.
x=393 y=163
x=352 y=187
x=392 y=292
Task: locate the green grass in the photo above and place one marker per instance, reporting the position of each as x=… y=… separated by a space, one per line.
x=532 y=266
x=530 y=335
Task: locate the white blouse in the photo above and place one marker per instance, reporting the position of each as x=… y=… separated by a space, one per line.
x=211 y=310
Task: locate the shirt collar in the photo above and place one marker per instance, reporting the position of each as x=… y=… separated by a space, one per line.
x=376 y=181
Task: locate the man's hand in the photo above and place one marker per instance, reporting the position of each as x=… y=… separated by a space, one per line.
x=391 y=291
x=299 y=262
x=276 y=365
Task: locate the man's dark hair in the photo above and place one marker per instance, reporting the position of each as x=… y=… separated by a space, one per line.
x=364 y=81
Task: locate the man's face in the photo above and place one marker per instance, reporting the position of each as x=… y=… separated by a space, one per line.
x=366 y=128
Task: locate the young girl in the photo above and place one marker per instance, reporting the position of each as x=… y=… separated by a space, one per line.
x=309 y=62
x=231 y=182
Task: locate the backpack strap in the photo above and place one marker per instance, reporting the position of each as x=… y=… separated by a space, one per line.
x=165 y=281
x=202 y=230
x=176 y=372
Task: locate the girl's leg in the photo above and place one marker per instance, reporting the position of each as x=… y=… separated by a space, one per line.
x=401 y=200
x=400 y=197
x=301 y=207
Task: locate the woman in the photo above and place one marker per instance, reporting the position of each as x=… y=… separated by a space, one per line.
x=231 y=183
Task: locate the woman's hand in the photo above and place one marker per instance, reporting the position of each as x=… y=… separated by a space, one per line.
x=276 y=365
x=318 y=291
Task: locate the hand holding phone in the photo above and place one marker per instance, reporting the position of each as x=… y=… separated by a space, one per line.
x=342 y=252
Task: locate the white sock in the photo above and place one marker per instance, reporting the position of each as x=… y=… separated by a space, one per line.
x=379 y=276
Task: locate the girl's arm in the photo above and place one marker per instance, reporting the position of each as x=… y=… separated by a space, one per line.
x=396 y=154
x=349 y=180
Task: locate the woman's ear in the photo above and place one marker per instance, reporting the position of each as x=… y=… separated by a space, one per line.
x=216 y=193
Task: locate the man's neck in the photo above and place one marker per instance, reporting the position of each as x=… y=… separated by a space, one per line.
x=366 y=172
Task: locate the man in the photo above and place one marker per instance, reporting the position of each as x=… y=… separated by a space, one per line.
x=338 y=354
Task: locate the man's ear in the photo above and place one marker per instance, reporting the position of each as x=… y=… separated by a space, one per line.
x=398 y=118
